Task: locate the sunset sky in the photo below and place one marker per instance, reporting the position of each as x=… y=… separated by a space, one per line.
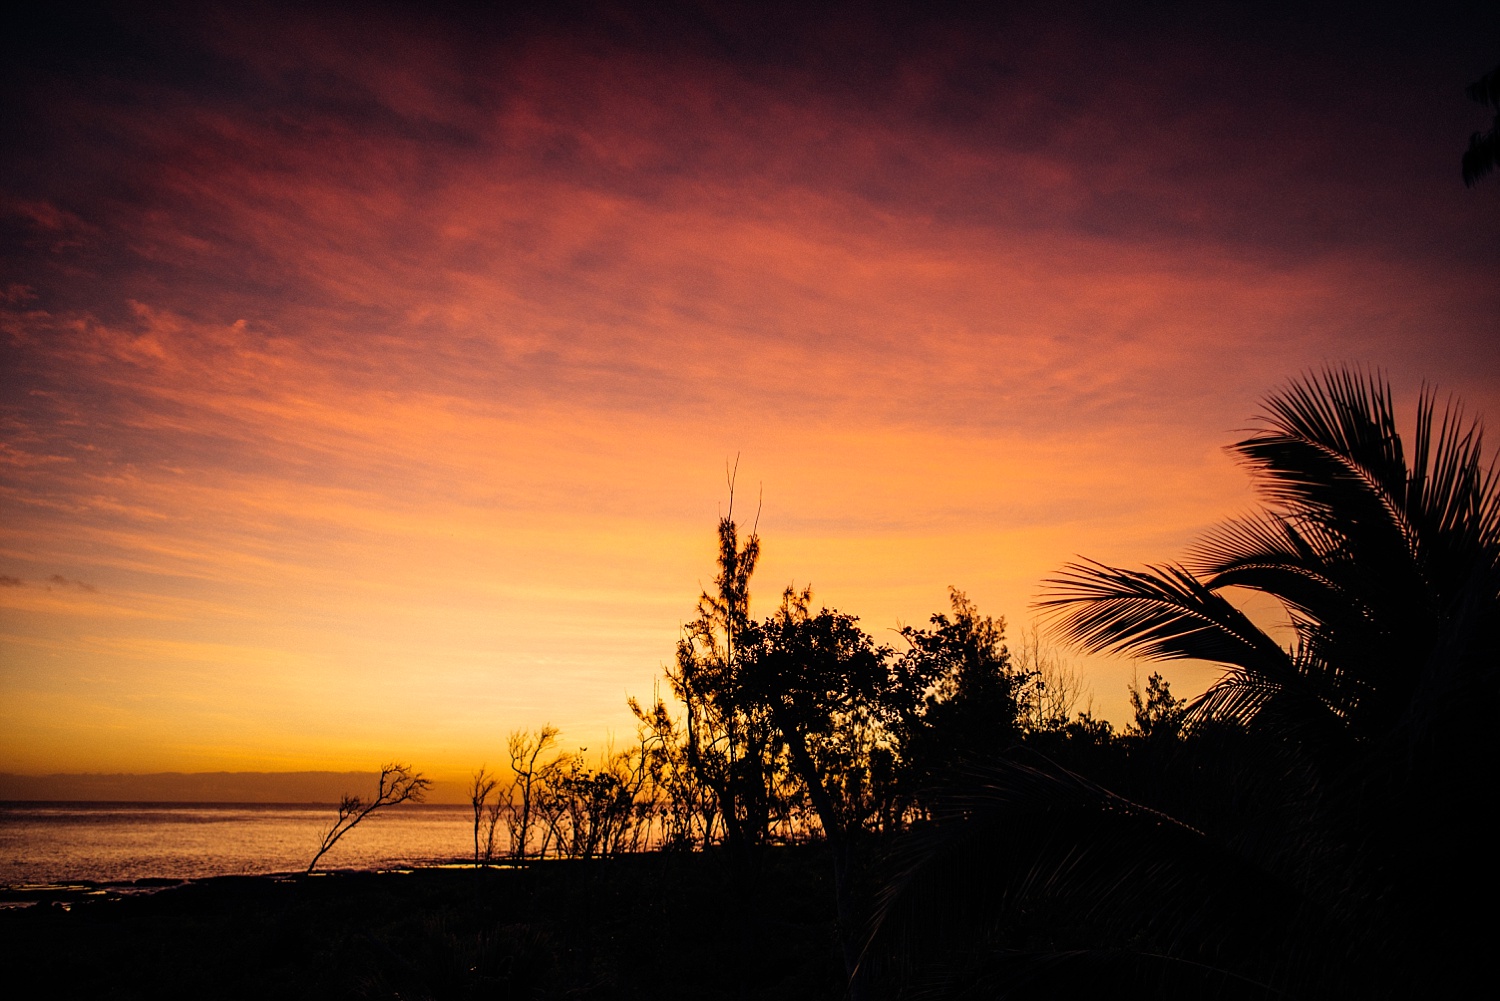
x=369 y=376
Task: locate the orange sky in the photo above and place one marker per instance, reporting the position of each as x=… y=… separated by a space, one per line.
x=368 y=384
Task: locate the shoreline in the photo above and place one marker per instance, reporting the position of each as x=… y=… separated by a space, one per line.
x=68 y=892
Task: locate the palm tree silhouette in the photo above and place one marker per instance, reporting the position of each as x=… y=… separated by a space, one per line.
x=1388 y=568
x=1353 y=868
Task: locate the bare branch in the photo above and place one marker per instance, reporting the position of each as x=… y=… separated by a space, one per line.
x=398 y=784
x=480 y=788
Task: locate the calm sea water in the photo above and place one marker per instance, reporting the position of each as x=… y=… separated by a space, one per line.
x=64 y=842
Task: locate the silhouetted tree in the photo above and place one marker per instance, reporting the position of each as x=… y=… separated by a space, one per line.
x=727 y=737
x=1484 y=147
x=596 y=811
x=684 y=805
x=963 y=700
x=398 y=784
x=1051 y=687
x=729 y=740
x=480 y=788
x=1158 y=714
x=529 y=776
x=824 y=683
x=494 y=816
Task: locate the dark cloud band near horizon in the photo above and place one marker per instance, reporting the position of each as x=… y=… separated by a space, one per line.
x=372 y=342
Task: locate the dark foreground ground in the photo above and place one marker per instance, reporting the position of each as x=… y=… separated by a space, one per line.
x=644 y=926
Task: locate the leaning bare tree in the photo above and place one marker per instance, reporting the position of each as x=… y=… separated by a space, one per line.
x=398 y=784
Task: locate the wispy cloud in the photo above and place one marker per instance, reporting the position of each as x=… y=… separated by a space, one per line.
x=62 y=581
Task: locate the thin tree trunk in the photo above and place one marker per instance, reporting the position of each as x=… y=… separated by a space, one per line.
x=838 y=845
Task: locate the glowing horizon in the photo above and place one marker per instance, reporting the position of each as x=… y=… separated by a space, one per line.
x=370 y=387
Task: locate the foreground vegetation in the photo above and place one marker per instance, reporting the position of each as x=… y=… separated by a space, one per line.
x=1304 y=828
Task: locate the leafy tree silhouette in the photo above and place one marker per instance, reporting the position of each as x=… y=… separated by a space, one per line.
x=1158 y=713
x=824 y=683
x=966 y=695
x=727 y=738
x=731 y=743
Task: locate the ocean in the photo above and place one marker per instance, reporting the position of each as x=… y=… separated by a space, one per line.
x=53 y=843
